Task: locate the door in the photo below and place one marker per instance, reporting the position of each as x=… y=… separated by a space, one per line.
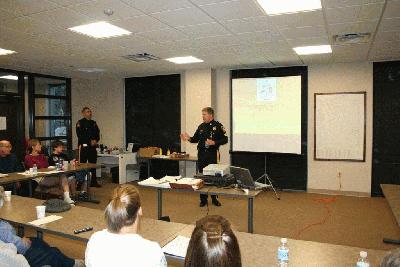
x=386 y=126
x=12 y=123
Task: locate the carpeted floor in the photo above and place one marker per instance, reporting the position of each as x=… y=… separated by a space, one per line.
x=351 y=221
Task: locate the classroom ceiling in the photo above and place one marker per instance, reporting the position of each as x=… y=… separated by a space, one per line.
x=232 y=34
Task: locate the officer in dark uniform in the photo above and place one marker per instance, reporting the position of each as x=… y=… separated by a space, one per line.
x=208 y=136
x=88 y=136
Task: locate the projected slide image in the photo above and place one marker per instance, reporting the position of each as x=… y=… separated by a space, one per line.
x=266 y=114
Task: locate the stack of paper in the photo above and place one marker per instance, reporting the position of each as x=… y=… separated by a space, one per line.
x=47 y=219
x=177 y=247
x=154 y=182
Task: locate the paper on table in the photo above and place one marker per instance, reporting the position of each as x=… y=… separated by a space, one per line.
x=49 y=172
x=177 y=247
x=47 y=219
x=3 y=175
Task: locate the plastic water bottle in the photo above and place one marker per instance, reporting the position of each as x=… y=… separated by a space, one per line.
x=283 y=253
x=363 y=260
x=34 y=169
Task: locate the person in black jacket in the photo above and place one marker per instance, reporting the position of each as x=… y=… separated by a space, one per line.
x=9 y=164
x=88 y=137
x=208 y=136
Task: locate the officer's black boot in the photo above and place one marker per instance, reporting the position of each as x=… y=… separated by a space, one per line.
x=203 y=200
x=215 y=201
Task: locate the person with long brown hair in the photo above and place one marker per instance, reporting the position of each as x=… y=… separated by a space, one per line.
x=213 y=244
x=120 y=244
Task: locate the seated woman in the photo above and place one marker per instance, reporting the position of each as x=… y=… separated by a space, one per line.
x=120 y=244
x=34 y=157
x=391 y=259
x=213 y=244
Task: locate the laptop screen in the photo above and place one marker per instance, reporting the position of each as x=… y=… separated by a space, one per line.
x=242 y=176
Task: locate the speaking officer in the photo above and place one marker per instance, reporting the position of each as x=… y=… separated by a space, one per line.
x=88 y=136
x=208 y=136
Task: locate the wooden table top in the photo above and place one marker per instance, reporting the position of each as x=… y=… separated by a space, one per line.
x=190 y=158
x=16 y=177
x=261 y=250
x=21 y=211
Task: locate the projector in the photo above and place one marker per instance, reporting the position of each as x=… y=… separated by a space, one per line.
x=216 y=170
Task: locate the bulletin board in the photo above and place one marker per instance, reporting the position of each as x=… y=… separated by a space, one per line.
x=340 y=126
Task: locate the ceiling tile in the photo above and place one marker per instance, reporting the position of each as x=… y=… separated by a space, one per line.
x=233 y=10
x=139 y=24
x=183 y=17
x=300 y=32
x=95 y=9
x=350 y=53
x=382 y=36
x=385 y=51
x=346 y=3
x=69 y=2
x=258 y=37
x=62 y=18
x=225 y=40
x=27 y=7
x=28 y=25
x=354 y=13
x=204 y=30
x=356 y=27
x=149 y=7
x=6 y=15
x=207 y=2
x=249 y=25
x=392 y=9
x=166 y=35
x=392 y=24
x=308 y=41
x=313 y=18
x=317 y=59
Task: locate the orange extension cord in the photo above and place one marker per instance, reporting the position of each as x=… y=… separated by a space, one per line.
x=324 y=201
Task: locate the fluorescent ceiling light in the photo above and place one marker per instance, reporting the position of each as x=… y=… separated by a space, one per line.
x=4 y=52
x=100 y=29
x=9 y=77
x=312 y=50
x=279 y=7
x=184 y=60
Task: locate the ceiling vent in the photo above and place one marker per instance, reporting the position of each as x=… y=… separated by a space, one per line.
x=352 y=38
x=141 y=57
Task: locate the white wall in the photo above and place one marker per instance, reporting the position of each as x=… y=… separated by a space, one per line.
x=105 y=97
x=326 y=175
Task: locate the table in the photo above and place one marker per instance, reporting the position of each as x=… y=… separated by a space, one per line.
x=185 y=160
x=261 y=250
x=121 y=160
x=392 y=195
x=213 y=190
x=21 y=210
x=16 y=177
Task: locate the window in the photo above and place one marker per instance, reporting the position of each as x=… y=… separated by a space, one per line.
x=8 y=82
x=50 y=106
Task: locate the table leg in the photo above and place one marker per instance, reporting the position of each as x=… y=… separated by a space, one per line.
x=250 y=215
x=159 y=203
x=30 y=188
x=20 y=231
x=184 y=170
x=39 y=234
x=148 y=168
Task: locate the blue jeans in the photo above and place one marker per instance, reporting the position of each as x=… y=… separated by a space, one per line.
x=40 y=254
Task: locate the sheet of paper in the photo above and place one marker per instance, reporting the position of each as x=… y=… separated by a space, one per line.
x=3 y=175
x=3 y=123
x=177 y=247
x=47 y=219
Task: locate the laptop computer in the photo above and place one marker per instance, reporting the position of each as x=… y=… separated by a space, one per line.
x=244 y=179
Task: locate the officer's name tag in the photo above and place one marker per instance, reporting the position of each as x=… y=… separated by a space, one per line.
x=84 y=145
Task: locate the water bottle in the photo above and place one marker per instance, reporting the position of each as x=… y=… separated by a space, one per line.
x=363 y=260
x=283 y=253
x=34 y=169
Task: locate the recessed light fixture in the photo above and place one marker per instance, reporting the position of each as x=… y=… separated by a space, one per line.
x=100 y=29
x=4 y=52
x=312 y=50
x=279 y=7
x=184 y=60
x=9 y=77
x=91 y=70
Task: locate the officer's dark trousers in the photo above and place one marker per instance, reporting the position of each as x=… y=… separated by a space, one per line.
x=89 y=154
x=206 y=157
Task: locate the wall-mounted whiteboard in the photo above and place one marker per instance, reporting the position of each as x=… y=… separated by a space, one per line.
x=340 y=126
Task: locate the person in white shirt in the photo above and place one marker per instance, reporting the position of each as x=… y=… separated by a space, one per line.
x=120 y=244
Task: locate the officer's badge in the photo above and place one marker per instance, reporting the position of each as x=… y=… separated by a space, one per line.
x=214 y=128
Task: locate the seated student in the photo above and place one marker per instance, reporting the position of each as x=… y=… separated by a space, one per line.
x=59 y=155
x=213 y=244
x=120 y=244
x=392 y=259
x=34 y=157
x=8 y=161
x=36 y=251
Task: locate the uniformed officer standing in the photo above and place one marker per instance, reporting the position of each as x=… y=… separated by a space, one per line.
x=208 y=136
x=88 y=136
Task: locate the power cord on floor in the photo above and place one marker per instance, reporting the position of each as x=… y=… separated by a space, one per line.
x=325 y=202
